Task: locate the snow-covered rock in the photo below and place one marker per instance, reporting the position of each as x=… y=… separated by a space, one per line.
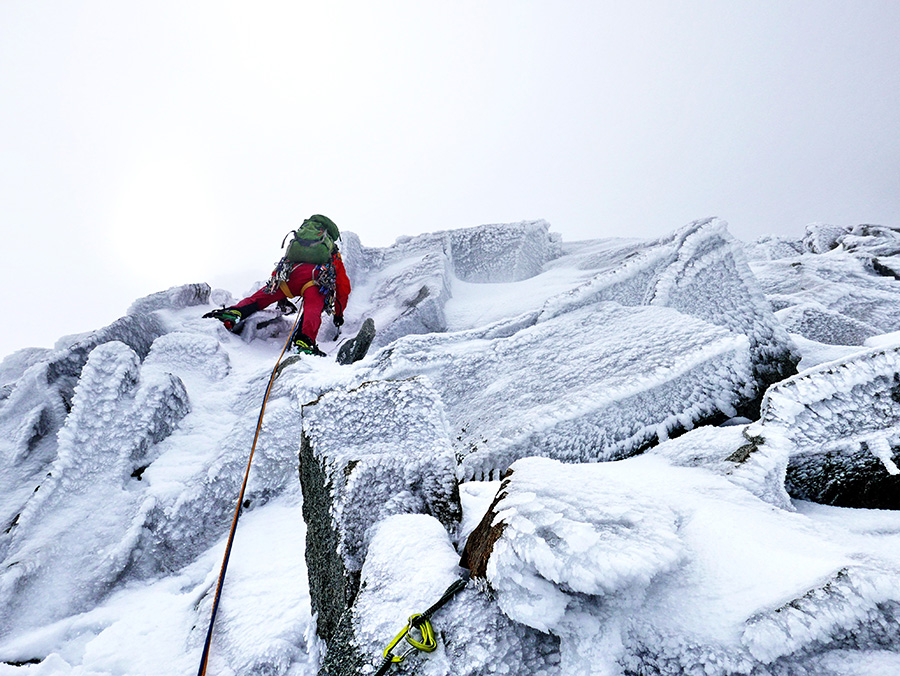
x=841 y=287
x=732 y=452
x=816 y=322
x=408 y=284
x=54 y=564
x=37 y=394
x=496 y=343
x=699 y=270
x=411 y=563
x=366 y=454
x=642 y=567
x=175 y=298
x=505 y=252
x=821 y=237
x=839 y=425
x=596 y=383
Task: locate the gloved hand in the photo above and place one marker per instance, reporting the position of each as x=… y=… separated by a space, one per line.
x=338 y=320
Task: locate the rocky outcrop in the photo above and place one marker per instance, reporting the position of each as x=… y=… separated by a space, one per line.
x=418 y=271
x=379 y=450
x=506 y=252
x=635 y=567
x=119 y=416
x=410 y=564
x=838 y=427
x=700 y=271
x=596 y=383
x=175 y=298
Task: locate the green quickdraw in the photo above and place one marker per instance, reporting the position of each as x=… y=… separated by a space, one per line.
x=419 y=622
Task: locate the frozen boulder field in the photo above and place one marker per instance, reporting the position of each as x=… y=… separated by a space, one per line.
x=664 y=457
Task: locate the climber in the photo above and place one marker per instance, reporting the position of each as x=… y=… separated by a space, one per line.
x=311 y=268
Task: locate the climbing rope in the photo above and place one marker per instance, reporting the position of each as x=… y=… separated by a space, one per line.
x=237 y=511
x=420 y=622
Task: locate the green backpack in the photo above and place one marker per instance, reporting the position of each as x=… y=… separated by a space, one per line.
x=313 y=241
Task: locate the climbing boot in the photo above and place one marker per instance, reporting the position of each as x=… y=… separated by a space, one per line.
x=305 y=345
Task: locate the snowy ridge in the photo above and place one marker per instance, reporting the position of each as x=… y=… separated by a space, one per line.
x=644 y=530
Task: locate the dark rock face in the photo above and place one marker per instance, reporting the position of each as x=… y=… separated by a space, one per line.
x=481 y=541
x=357 y=347
x=366 y=454
x=845 y=479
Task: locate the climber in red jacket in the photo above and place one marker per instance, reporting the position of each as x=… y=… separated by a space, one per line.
x=323 y=287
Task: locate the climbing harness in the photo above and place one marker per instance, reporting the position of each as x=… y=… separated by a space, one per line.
x=323 y=276
x=421 y=623
x=237 y=511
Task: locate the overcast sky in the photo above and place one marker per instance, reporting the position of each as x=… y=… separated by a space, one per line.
x=149 y=144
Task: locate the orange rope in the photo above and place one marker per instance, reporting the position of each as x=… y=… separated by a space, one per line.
x=237 y=510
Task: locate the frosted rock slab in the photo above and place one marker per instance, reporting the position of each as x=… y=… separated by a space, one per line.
x=597 y=383
x=366 y=454
x=175 y=298
x=838 y=424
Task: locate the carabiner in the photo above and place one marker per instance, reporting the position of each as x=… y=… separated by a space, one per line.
x=426 y=644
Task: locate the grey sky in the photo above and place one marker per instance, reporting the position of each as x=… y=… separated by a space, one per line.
x=144 y=145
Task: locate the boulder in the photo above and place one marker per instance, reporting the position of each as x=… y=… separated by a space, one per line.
x=366 y=454
x=641 y=567
x=838 y=427
x=174 y=298
x=505 y=252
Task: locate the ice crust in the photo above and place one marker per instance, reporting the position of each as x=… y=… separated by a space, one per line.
x=408 y=284
x=385 y=447
x=816 y=322
x=701 y=271
x=117 y=420
x=838 y=273
x=174 y=298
